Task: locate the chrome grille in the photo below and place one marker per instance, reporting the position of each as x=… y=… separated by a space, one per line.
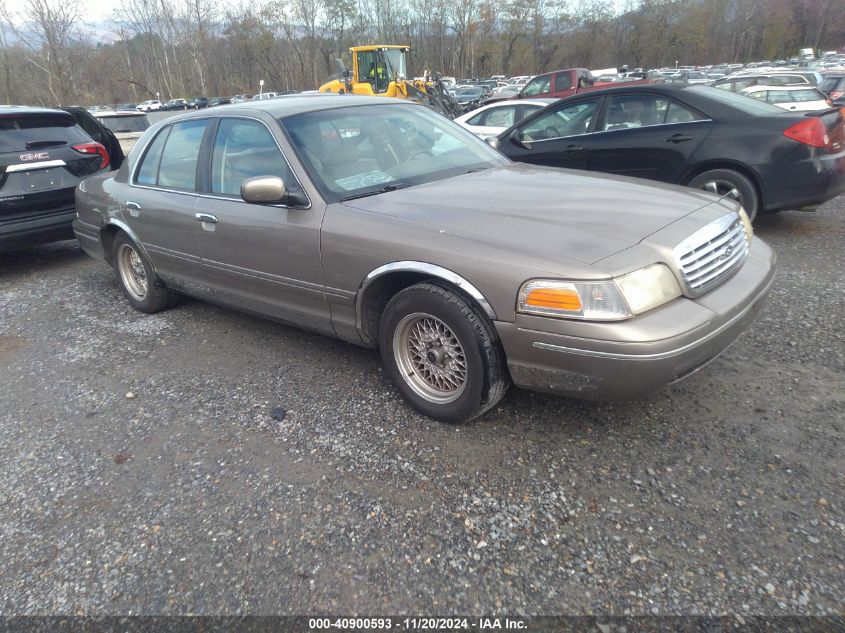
x=711 y=254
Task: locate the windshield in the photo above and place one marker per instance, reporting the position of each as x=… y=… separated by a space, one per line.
x=395 y=60
x=362 y=150
x=739 y=102
x=121 y=124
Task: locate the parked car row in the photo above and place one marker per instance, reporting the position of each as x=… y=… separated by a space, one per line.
x=581 y=274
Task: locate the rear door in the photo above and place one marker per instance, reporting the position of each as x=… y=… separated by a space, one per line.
x=646 y=135
x=39 y=167
x=159 y=204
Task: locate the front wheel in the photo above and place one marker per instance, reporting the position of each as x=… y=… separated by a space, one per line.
x=730 y=184
x=441 y=354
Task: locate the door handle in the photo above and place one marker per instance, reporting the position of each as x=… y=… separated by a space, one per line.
x=134 y=206
x=206 y=217
x=573 y=148
x=678 y=138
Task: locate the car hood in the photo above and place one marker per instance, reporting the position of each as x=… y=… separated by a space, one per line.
x=544 y=211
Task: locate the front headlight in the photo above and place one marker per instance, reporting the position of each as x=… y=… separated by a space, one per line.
x=611 y=300
x=746 y=222
x=649 y=287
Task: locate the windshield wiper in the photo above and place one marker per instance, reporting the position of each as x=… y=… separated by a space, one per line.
x=392 y=186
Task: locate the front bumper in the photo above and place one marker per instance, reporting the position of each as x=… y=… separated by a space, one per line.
x=630 y=359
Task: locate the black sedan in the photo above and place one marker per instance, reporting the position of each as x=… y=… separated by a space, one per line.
x=175 y=104
x=765 y=158
x=198 y=102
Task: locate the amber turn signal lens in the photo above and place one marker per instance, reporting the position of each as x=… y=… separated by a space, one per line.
x=555 y=298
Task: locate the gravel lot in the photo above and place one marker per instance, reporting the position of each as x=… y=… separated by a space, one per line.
x=141 y=470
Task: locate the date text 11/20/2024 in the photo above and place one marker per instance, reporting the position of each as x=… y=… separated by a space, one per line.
x=417 y=624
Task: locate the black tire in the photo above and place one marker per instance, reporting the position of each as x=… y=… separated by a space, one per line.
x=748 y=196
x=142 y=288
x=477 y=350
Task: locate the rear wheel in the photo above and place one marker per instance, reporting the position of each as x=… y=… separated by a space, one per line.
x=137 y=280
x=730 y=184
x=441 y=354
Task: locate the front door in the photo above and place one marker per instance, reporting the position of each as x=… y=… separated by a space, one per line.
x=265 y=258
x=556 y=137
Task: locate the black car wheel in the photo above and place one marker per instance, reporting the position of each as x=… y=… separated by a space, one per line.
x=137 y=279
x=441 y=354
x=732 y=184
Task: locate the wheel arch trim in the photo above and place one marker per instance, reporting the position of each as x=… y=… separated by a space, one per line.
x=121 y=225
x=431 y=270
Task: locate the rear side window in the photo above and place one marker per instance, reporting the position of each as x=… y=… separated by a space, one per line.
x=27 y=132
x=563 y=81
x=829 y=84
x=148 y=171
x=807 y=95
x=786 y=80
x=171 y=161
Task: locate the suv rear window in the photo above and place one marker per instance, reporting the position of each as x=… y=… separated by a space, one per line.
x=21 y=132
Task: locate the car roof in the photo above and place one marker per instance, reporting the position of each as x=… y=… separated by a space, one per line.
x=764 y=87
x=290 y=105
x=120 y=113
x=16 y=109
x=622 y=88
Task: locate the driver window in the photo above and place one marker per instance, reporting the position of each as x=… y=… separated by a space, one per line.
x=538 y=85
x=569 y=121
x=244 y=149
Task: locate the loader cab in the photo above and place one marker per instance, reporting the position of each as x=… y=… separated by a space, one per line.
x=379 y=65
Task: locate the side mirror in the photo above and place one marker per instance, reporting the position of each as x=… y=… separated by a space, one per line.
x=263 y=190
x=515 y=137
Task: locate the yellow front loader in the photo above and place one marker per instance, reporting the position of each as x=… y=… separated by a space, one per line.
x=381 y=70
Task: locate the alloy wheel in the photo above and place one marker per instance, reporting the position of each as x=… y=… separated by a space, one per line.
x=132 y=272
x=430 y=358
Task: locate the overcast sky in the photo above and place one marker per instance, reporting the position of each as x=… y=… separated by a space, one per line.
x=92 y=10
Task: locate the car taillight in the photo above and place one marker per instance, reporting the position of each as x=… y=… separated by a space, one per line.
x=94 y=148
x=810 y=132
